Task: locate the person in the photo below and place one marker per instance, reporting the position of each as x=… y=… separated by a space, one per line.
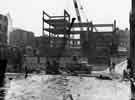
x=55 y=67
x=75 y=59
x=113 y=67
x=110 y=69
x=26 y=72
x=130 y=68
x=48 y=67
x=125 y=74
x=109 y=65
x=104 y=77
x=129 y=63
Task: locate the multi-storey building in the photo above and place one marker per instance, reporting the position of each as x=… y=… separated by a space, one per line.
x=3 y=29
x=21 y=38
x=123 y=41
x=96 y=45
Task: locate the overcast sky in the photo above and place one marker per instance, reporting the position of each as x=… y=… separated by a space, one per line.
x=27 y=14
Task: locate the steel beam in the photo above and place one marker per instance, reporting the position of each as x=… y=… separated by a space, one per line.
x=85 y=24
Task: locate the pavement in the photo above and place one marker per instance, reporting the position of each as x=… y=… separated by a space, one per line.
x=62 y=87
x=117 y=74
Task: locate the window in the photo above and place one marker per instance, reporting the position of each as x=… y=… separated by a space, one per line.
x=0 y=27
x=71 y=42
x=78 y=42
x=5 y=28
x=0 y=17
x=5 y=18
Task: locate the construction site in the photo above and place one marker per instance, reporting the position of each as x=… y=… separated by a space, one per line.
x=73 y=59
x=64 y=38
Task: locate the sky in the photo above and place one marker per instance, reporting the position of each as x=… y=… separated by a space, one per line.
x=27 y=14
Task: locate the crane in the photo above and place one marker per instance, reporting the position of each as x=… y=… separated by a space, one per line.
x=83 y=37
x=77 y=13
x=79 y=16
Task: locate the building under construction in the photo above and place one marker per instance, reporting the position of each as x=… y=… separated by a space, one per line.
x=83 y=39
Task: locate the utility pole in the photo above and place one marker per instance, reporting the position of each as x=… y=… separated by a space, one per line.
x=132 y=37
x=3 y=66
x=131 y=62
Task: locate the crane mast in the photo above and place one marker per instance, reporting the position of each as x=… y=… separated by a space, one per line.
x=78 y=14
x=83 y=37
x=77 y=11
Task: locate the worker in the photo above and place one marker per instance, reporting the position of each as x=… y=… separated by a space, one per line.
x=48 y=65
x=75 y=59
x=130 y=68
x=55 y=67
x=109 y=66
x=128 y=63
x=125 y=74
x=26 y=72
x=113 y=67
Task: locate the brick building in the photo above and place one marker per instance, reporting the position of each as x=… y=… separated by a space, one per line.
x=3 y=29
x=21 y=38
x=123 y=41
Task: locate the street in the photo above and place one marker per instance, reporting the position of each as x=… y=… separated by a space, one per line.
x=55 y=87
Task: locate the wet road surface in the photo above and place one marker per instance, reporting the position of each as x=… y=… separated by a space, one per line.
x=48 y=87
x=59 y=87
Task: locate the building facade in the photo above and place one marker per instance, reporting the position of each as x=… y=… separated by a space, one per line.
x=3 y=29
x=21 y=38
x=123 y=41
